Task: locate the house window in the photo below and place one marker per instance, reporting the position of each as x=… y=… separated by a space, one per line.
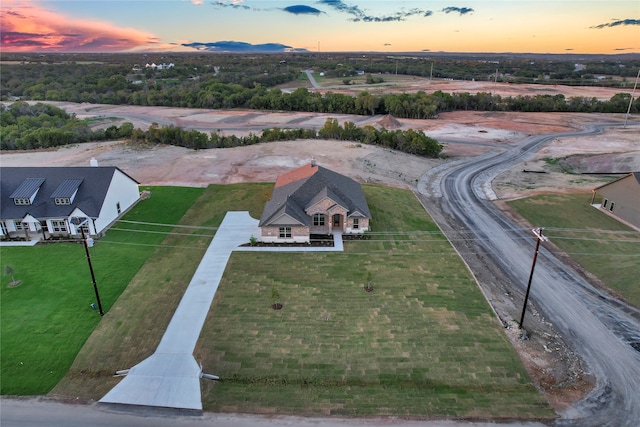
x=63 y=201
x=356 y=223
x=611 y=207
x=59 y=226
x=3 y=226
x=285 y=232
x=22 y=201
x=118 y=208
x=318 y=219
x=604 y=203
x=21 y=225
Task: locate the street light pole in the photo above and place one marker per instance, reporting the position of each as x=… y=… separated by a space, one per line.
x=540 y=237
x=93 y=277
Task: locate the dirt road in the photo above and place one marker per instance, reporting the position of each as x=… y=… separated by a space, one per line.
x=600 y=328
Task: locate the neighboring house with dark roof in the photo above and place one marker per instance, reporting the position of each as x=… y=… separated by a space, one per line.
x=47 y=201
x=313 y=200
x=621 y=198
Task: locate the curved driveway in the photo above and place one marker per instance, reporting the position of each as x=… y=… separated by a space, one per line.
x=598 y=327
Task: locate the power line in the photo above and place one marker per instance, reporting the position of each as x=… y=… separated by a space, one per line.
x=440 y=232
x=384 y=251
x=167 y=233
x=390 y=234
x=167 y=225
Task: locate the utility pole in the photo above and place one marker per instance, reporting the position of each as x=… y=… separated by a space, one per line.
x=86 y=250
x=631 y=100
x=540 y=237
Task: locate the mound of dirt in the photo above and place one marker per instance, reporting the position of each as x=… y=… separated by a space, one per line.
x=390 y=122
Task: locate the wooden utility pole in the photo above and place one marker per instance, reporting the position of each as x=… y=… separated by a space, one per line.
x=78 y=222
x=540 y=237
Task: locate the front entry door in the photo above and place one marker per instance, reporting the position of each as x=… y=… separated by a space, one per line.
x=336 y=220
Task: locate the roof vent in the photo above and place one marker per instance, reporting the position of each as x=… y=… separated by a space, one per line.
x=93 y=162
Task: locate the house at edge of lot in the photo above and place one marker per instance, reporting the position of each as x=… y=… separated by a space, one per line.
x=313 y=200
x=621 y=198
x=48 y=201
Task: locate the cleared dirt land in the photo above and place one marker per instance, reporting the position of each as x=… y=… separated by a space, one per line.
x=464 y=134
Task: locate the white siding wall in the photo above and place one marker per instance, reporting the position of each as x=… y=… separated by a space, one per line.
x=122 y=190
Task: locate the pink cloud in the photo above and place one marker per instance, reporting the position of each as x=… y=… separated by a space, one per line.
x=24 y=27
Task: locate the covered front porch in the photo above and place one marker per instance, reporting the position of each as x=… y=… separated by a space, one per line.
x=31 y=229
x=328 y=224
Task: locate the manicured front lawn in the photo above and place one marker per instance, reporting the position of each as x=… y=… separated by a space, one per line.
x=602 y=245
x=424 y=342
x=47 y=318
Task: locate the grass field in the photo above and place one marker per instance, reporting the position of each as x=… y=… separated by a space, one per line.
x=47 y=318
x=601 y=244
x=423 y=343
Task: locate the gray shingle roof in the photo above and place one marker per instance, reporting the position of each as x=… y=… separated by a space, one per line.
x=92 y=189
x=295 y=197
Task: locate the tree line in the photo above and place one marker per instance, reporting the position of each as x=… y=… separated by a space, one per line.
x=409 y=141
x=24 y=127
x=250 y=82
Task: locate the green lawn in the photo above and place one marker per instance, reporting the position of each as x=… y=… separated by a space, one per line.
x=601 y=244
x=133 y=328
x=424 y=342
x=47 y=318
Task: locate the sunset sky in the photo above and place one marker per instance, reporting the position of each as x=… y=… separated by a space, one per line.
x=541 y=26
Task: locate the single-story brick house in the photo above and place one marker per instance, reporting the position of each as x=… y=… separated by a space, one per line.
x=47 y=201
x=313 y=200
x=621 y=198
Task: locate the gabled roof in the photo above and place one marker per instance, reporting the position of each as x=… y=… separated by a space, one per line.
x=636 y=175
x=301 y=188
x=91 y=183
x=326 y=193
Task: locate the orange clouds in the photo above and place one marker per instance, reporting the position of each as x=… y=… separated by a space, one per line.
x=24 y=27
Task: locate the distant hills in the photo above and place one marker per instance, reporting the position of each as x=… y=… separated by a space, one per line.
x=232 y=46
x=229 y=46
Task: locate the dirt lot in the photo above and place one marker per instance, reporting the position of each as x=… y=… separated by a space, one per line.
x=463 y=134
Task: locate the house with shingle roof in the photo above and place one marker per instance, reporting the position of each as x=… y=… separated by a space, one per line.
x=621 y=198
x=313 y=200
x=46 y=202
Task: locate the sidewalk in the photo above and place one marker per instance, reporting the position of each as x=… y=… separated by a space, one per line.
x=170 y=377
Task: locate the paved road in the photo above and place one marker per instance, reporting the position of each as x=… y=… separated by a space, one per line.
x=43 y=413
x=309 y=74
x=596 y=326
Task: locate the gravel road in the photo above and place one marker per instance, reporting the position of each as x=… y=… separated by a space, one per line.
x=602 y=330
